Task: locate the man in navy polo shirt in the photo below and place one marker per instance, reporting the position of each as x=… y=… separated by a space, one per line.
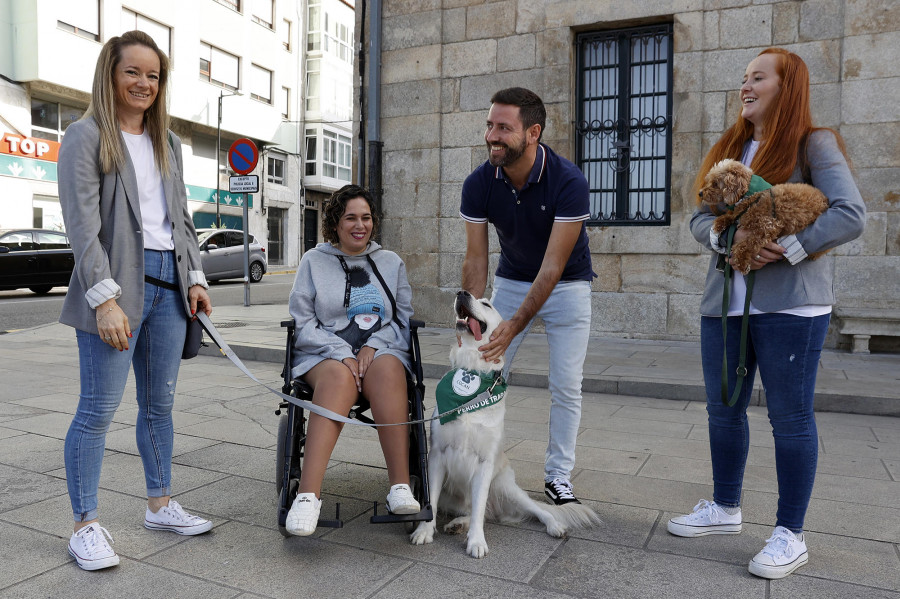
x=537 y=202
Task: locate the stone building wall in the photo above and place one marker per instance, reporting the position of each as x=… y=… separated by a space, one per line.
x=442 y=60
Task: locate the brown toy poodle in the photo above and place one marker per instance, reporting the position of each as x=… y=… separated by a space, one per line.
x=766 y=215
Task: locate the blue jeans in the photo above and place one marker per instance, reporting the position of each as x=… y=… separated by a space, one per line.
x=567 y=319
x=786 y=350
x=155 y=353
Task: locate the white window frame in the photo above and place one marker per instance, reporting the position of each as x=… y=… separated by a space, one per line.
x=261 y=83
x=285 y=33
x=81 y=17
x=262 y=12
x=214 y=57
x=275 y=168
x=55 y=134
x=132 y=19
x=313 y=84
x=336 y=155
x=286 y=103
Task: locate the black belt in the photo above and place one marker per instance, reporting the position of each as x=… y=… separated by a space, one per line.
x=161 y=283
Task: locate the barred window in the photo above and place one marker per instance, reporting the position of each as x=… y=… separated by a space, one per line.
x=624 y=124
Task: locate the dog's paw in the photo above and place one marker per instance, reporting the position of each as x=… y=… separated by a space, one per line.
x=423 y=534
x=457 y=525
x=555 y=529
x=477 y=548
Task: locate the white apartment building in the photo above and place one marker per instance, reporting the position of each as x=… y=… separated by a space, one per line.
x=245 y=57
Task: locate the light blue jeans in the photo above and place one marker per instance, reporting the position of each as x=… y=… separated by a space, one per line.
x=155 y=354
x=567 y=320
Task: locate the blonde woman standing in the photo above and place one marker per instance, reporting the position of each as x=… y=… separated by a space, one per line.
x=137 y=281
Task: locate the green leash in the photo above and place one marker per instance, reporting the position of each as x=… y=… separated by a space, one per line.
x=741 y=370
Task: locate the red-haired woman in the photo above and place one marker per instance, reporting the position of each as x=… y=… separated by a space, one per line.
x=789 y=312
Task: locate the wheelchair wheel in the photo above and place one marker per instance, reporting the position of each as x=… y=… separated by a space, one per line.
x=288 y=468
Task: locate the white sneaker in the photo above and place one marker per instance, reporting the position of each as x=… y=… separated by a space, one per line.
x=706 y=519
x=784 y=552
x=304 y=515
x=89 y=548
x=173 y=517
x=400 y=500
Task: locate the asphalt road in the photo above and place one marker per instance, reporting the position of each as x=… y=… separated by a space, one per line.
x=22 y=309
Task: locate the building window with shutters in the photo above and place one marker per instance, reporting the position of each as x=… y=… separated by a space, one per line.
x=624 y=124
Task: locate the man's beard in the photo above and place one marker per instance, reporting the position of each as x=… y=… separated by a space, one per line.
x=511 y=154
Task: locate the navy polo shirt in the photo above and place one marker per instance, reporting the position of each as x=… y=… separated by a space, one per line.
x=556 y=191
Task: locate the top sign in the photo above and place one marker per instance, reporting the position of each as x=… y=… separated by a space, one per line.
x=29 y=147
x=243 y=156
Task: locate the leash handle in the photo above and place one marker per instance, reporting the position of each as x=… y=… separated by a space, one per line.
x=224 y=348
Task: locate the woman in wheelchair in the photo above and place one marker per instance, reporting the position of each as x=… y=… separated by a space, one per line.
x=352 y=338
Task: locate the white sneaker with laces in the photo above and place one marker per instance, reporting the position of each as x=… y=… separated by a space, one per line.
x=172 y=517
x=400 y=500
x=707 y=518
x=784 y=552
x=304 y=515
x=91 y=550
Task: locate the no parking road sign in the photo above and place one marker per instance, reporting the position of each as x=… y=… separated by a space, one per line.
x=243 y=156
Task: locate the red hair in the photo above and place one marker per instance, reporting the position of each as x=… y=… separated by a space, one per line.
x=788 y=123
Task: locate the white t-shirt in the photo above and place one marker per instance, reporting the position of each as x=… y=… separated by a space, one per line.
x=739 y=287
x=154 y=215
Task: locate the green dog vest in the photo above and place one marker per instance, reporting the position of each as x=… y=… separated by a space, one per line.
x=459 y=387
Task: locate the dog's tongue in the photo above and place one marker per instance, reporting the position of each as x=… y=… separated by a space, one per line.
x=475 y=327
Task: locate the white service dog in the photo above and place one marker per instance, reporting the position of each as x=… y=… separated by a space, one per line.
x=469 y=474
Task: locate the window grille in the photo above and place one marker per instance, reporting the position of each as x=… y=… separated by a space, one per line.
x=624 y=124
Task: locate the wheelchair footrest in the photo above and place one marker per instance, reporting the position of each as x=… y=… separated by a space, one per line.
x=424 y=515
x=337 y=522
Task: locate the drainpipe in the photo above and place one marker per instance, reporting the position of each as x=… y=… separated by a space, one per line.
x=361 y=65
x=373 y=125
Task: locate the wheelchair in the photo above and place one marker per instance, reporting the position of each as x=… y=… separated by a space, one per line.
x=292 y=437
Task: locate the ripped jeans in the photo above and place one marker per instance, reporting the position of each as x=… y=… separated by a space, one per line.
x=155 y=354
x=786 y=349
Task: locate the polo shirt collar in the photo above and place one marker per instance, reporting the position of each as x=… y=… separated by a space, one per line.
x=537 y=169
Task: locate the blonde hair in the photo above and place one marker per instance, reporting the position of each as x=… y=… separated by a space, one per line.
x=103 y=104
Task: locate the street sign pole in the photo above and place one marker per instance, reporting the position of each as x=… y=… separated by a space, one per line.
x=243 y=156
x=246 y=250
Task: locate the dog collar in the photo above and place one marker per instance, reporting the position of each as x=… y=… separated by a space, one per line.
x=458 y=389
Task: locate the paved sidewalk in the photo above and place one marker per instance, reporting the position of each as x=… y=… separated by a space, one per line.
x=641 y=460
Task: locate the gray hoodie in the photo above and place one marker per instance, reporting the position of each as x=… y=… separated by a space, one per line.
x=332 y=323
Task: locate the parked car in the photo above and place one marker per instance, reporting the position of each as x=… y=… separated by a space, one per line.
x=37 y=259
x=222 y=253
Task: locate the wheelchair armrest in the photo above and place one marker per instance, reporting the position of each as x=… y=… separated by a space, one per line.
x=287 y=323
x=415 y=323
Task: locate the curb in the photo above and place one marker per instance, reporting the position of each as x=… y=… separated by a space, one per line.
x=825 y=401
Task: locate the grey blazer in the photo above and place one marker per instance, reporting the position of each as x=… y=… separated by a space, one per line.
x=102 y=213
x=781 y=285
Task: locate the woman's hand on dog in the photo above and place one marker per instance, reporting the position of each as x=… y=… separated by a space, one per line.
x=771 y=252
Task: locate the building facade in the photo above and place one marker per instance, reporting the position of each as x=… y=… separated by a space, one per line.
x=238 y=70
x=636 y=94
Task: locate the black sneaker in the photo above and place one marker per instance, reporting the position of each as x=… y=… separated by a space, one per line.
x=559 y=491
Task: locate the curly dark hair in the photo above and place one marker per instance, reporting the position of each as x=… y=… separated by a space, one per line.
x=336 y=205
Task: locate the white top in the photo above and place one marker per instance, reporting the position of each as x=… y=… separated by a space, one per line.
x=739 y=287
x=154 y=215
